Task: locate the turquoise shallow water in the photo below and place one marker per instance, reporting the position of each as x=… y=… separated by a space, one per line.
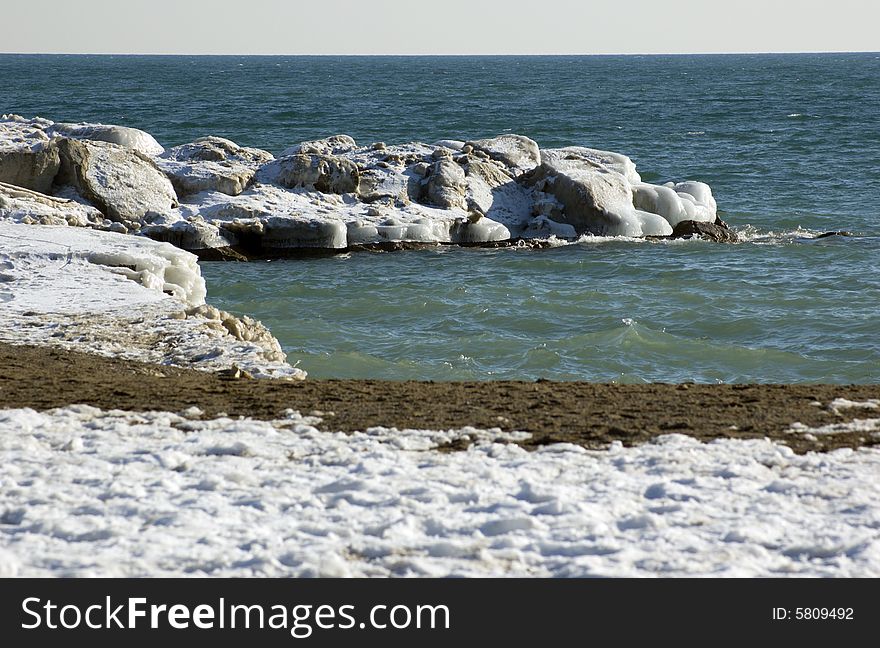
x=789 y=143
x=610 y=311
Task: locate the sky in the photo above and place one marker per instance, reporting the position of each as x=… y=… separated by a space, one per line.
x=438 y=26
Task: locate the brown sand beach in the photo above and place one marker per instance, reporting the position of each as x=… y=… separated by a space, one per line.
x=592 y=415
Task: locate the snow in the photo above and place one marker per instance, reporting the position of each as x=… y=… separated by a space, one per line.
x=869 y=426
x=843 y=403
x=85 y=492
x=121 y=296
x=49 y=266
x=132 y=138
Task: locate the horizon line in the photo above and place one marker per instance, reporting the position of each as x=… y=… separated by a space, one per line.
x=446 y=55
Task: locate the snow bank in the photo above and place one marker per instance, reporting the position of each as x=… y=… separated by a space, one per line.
x=170 y=495
x=122 y=296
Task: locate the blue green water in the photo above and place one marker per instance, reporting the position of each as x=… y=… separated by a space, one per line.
x=789 y=143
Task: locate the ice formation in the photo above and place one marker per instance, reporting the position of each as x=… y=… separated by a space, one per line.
x=123 y=296
x=331 y=193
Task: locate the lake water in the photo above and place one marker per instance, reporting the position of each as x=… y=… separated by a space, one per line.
x=789 y=143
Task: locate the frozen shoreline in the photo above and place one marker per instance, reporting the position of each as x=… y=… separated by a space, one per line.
x=221 y=200
x=122 y=296
x=89 y=492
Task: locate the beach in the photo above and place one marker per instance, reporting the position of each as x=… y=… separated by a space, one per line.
x=447 y=342
x=591 y=415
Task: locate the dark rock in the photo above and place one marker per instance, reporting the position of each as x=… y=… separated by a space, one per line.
x=840 y=233
x=707 y=231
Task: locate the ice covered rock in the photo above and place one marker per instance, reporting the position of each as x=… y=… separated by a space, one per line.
x=131 y=138
x=33 y=208
x=685 y=201
x=193 y=234
x=334 y=145
x=445 y=185
x=515 y=151
x=211 y=164
x=618 y=162
x=378 y=183
x=323 y=172
x=28 y=158
x=597 y=199
x=455 y=145
x=244 y=328
x=280 y=233
x=123 y=183
x=492 y=192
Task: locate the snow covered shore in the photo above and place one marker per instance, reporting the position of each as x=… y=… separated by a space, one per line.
x=85 y=492
x=217 y=198
x=124 y=296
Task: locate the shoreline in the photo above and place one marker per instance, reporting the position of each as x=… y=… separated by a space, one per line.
x=591 y=415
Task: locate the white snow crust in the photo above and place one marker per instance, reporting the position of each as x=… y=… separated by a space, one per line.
x=85 y=492
x=121 y=296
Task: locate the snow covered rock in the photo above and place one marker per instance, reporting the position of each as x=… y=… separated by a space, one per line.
x=123 y=296
x=333 y=145
x=685 y=201
x=515 y=151
x=445 y=185
x=331 y=193
x=617 y=162
x=211 y=164
x=33 y=208
x=320 y=171
x=28 y=158
x=380 y=183
x=131 y=138
x=123 y=183
x=193 y=234
x=597 y=199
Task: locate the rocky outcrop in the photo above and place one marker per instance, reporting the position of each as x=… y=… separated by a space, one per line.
x=131 y=138
x=332 y=193
x=319 y=171
x=212 y=164
x=28 y=158
x=596 y=199
x=514 y=151
x=124 y=184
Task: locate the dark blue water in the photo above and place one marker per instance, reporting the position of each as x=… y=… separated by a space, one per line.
x=789 y=143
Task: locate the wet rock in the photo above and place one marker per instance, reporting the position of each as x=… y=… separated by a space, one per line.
x=838 y=233
x=707 y=231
